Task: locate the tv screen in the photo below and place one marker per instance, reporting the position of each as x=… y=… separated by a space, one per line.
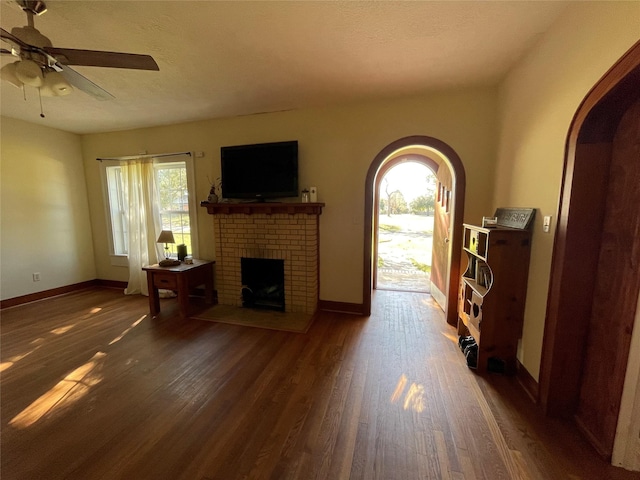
x=260 y=171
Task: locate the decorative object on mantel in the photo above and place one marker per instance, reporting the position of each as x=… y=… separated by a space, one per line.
x=166 y=237
x=213 y=196
x=305 y=196
x=520 y=218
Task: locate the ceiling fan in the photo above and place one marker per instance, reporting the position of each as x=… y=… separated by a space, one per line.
x=46 y=67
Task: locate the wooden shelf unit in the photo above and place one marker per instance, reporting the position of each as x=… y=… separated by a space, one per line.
x=492 y=292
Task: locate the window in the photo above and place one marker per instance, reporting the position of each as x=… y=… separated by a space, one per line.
x=176 y=207
x=116 y=209
x=171 y=182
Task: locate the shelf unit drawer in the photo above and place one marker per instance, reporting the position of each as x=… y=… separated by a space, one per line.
x=167 y=281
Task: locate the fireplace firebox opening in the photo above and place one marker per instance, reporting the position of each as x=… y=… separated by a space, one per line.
x=262 y=283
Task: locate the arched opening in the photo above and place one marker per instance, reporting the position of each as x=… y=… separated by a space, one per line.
x=595 y=277
x=451 y=170
x=406 y=188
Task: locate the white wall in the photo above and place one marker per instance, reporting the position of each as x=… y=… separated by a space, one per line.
x=337 y=145
x=537 y=102
x=45 y=216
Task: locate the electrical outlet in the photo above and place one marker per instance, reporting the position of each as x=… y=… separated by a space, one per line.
x=36 y=277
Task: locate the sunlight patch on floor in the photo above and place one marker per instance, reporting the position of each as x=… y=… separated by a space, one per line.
x=450 y=336
x=16 y=358
x=5 y=365
x=61 y=330
x=133 y=325
x=66 y=392
x=414 y=398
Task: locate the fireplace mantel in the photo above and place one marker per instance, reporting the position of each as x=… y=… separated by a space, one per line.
x=267 y=208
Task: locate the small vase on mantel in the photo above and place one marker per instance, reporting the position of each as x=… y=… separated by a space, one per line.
x=212 y=198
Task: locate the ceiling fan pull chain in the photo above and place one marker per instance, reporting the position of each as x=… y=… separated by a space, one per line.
x=40 y=96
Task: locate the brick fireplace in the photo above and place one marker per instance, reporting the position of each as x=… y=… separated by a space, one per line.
x=282 y=231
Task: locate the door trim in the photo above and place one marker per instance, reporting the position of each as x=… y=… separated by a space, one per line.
x=459 y=184
x=564 y=340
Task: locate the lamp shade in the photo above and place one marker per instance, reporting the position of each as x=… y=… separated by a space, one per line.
x=166 y=236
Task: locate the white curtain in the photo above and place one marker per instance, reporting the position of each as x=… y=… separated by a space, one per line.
x=141 y=200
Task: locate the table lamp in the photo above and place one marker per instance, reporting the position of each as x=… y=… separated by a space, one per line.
x=166 y=237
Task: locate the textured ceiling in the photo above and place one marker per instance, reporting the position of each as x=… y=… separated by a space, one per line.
x=221 y=59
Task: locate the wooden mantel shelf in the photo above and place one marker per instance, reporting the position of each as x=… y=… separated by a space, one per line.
x=267 y=208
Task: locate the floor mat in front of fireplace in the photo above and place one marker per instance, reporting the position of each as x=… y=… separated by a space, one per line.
x=249 y=317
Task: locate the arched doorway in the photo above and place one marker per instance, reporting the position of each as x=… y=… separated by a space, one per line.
x=453 y=198
x=406 y=188
x=595 y=277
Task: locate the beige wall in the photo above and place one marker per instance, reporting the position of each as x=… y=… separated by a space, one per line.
x=537 y=102
x=337 y=145
x=45 y=216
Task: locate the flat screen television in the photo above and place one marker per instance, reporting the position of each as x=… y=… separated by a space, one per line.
x=260 y=171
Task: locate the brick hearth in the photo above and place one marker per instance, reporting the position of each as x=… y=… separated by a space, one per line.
x=258 y=232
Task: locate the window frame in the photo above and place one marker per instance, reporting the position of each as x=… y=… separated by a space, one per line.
x=122 y=260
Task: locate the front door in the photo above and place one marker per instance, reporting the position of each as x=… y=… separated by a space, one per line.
x=441 y=257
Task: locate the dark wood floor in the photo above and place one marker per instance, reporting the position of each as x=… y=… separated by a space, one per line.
x=92 y=388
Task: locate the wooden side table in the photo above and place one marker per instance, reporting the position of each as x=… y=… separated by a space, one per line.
x=181 y=278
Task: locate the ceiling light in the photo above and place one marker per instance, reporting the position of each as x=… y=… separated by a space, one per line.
x=29 y=73
x=55 y=85
x=8 y=74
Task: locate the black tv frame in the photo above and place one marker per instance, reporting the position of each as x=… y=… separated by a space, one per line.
x=260 y=171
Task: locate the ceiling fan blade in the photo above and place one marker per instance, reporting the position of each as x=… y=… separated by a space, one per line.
x=96 y=58
x=83 y=83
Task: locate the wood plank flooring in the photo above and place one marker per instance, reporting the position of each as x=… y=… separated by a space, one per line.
x=92 y=388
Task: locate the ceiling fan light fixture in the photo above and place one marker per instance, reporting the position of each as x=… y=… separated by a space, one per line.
x=29 y=73
x=39 y=59
x=8 y=74
x=55 y=85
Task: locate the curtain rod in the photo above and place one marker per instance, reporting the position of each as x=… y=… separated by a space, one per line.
x=146 y=155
